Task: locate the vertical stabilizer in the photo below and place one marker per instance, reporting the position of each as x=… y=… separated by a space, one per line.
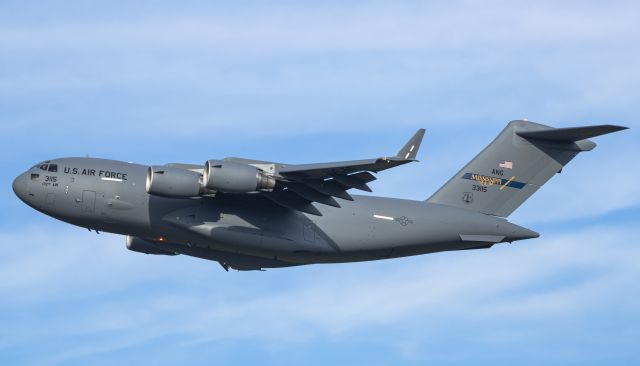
x=523 y=157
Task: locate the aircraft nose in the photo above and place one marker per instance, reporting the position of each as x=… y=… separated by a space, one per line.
x=20 y=186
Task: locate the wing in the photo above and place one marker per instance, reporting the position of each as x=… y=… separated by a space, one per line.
x=300 y=186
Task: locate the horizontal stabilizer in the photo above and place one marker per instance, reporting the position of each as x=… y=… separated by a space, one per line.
x=571 y=133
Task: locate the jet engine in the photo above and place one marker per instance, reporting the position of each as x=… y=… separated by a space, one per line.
x=173 y=182
x=136 y=244
x=232 y=177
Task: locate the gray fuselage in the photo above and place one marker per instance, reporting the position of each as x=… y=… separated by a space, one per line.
x=108 y=195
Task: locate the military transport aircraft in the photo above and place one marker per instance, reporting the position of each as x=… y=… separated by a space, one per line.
x=251 y=214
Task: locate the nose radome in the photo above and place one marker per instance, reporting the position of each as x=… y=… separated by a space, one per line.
x=20 y=186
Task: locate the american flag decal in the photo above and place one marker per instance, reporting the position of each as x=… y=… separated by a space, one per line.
x=506 y=164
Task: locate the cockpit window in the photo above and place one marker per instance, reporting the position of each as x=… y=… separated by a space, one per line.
x=43 y=165
x=53 y=168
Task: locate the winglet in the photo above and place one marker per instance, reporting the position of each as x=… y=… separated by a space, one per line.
x=410 y=149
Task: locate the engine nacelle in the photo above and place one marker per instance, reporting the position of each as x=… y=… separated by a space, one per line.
x=232 y=177
x=173 y=182
x=144 y=246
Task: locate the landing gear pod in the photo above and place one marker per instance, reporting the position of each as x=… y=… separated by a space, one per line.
x=173 y=182
x=139 y=245
x=231 y=177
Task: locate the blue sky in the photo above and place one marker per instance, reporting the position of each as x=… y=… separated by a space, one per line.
x=159 y=81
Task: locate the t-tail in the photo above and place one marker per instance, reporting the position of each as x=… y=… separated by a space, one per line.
x=523 y=157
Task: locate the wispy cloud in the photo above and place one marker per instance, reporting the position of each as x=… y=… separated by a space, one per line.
x=568 y=277
x=363 y=49
x=262 y=75
x=276 y=29
x=37 y=265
